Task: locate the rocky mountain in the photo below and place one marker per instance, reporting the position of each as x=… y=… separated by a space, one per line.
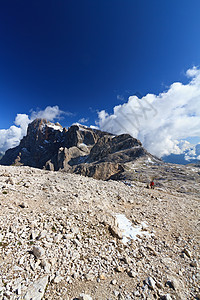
x=79 y=149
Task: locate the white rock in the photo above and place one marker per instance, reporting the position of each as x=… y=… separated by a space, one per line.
x=1 y=237
x=37 y=289
x=116 y=293
x=167 y=297
x=85 y=297
x=46 y=265
x=174 y=283
x=114 y=281
x=132 y=273
x=57 y=238
x=151 y=283
x=33 y=235
x=58 y=279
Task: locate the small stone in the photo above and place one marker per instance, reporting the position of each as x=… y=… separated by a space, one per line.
x=19 y=290
x=173 y=283
x=21 y=260
x=85 y=297
x=119 y=269
x=33 y=235
x=1 y=237
x=42 y=235
x=68 y=279
x=39 y=252
x=89 y=277
x=57 y=238
x=10 y=180
x=127 y=260
x=187 y=252
x=115 y=231
x=102 y=277
x=131 y=274
x=159 y=284
x=27 y=184
x=45 y=265
x=194 y=263
x=114 y=281
x=166 y=297
x=151 y=283
x=57 y=279
x=23 y=205
x=116 y=293
x=152 y=250
x=136 y=293
x=198 y=296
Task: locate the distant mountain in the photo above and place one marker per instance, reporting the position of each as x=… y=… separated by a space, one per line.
x=178 y=159
x=1 y=154
x=79 y=149
x=189 y=155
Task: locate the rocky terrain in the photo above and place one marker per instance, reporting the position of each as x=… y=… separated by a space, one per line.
x=66 y=236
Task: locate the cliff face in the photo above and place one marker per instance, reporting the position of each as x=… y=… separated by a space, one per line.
x=79 y=149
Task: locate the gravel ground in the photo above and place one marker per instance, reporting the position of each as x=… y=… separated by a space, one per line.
x=60 y=239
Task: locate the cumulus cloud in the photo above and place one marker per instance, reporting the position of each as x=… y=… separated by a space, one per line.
x=193 y=152
x=50 y=113
x=83 y=120
x=161 y=121
x=11 y=137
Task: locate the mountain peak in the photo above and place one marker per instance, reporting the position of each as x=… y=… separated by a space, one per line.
x=79 y=149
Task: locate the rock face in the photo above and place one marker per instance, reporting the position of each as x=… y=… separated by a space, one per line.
x=121 y=148
x=51 y=146
x=79 y=149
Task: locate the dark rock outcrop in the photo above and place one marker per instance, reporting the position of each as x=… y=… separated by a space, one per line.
x=102 y=170
x=121 y=148
x=79 y=149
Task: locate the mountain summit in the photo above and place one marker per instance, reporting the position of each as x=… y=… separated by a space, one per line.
x=78 y=149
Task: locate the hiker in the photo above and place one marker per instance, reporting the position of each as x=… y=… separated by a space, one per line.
x=152 y=184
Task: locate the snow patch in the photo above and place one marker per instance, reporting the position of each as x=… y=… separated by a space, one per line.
x=149 y=160
x=55 y=127
x=94 y=127
x=130 y=232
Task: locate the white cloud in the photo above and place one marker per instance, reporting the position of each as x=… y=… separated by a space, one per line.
x=50 y=113
x=22 y=120
x=120 y=97
x=159 y=121
x=11 y=137
x=83 y=120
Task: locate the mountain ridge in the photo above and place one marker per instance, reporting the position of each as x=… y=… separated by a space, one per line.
x=78 y=149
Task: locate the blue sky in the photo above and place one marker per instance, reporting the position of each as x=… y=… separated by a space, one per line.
x=91 y=55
